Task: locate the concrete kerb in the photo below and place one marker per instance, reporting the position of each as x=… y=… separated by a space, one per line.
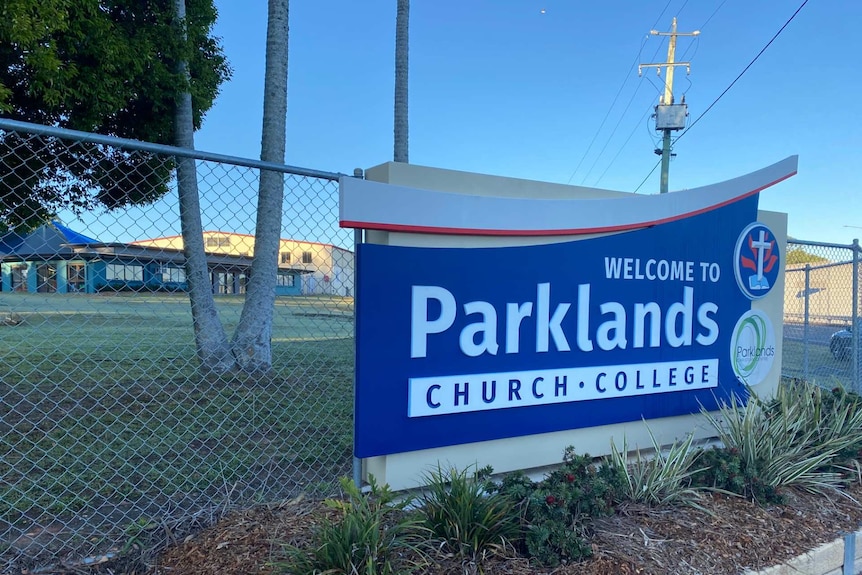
x=828 y=559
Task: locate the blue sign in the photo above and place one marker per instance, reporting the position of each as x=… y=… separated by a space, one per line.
x=458 y=345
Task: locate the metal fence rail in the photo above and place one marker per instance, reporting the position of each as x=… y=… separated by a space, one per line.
x=821 y=308
x=109 y=435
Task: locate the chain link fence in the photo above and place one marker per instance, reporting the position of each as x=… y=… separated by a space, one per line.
x=821 y=312
x=110 y=437
x=112 y=440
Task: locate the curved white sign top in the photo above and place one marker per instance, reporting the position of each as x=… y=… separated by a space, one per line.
x=378 y=206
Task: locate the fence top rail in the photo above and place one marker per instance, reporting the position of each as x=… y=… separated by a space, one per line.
x=63 y=133
x=853 y=246
x=814 y=267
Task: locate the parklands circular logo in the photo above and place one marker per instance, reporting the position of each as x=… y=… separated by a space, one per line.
x=756 y=260
x=752 y=347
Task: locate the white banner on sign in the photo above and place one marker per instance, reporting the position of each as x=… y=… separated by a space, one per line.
x=429 y=396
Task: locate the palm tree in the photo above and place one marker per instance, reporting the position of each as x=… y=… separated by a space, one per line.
x=402 y=27
x=252 y=341
x=210 y=340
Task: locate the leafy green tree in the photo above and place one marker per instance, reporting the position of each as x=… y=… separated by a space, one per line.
x=105 y=66
x=798 y=256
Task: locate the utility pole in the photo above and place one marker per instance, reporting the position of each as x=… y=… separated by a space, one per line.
x=669 y=116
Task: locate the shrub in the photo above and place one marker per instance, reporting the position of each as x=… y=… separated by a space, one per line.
x=555 y=512
x=372 y=532
x=469 y=521
x=722 y=469
x=778 y=444
x=834 y=417
x=664 y=478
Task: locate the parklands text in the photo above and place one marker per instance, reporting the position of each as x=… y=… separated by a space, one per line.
x=680 y=324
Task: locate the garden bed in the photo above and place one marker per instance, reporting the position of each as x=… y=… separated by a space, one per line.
x=729 y=536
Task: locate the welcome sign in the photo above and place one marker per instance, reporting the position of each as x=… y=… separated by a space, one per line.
x=459 y=345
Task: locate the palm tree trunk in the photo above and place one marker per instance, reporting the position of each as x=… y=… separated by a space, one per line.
x=402 y=29
x=252 y=341
x=210 y=340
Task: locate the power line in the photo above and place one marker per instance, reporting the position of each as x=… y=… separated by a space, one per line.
x=614 y=131
x=726 y=90
x=681 y=8
x=647 y=176
x=621 y=148
x=608 y=113
x=622 y=116
x=762 y=50
x=714 y=12
x=619 y=91
x=650 y=108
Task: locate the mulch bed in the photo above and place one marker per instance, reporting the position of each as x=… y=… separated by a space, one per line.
x=726 y=536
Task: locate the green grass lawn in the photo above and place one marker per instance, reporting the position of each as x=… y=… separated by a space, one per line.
x=102 y=407
x=105 y=420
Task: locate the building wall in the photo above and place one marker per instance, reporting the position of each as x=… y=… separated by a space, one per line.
x=45 y=276
x=830 y=292
x=330 y=268
x=342 y=271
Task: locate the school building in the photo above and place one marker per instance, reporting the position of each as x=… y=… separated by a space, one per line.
x=56 y=259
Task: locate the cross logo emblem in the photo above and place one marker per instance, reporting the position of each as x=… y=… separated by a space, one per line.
x=756 y=260
x=757 y=281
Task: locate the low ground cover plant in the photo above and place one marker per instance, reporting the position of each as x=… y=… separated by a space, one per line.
x=372 y=536
x=464 y=517
x=804 y=437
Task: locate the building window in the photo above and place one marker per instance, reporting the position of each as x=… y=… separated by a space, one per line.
x=76 y=277
x=124 y=272
x=19 y=277
x=306 y=257
x=173 y=274
x=46 y=277
x=218 y=242
x=285 y=257
x=286 y=280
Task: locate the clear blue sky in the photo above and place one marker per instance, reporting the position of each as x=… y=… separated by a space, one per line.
x=501 y=87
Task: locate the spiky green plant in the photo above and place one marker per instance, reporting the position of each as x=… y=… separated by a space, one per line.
x=661 y=478
x=778 y=443
x=464 y=517
x=370 y=538
x=834 y=417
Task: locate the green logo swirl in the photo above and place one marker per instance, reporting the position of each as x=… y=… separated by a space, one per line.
x=745 y=364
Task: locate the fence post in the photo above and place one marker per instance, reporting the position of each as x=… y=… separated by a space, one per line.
x=805 y=316
x=854 y=339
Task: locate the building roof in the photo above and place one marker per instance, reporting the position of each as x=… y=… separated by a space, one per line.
x=224 y=233
x=49 y=240
x=56 y=240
